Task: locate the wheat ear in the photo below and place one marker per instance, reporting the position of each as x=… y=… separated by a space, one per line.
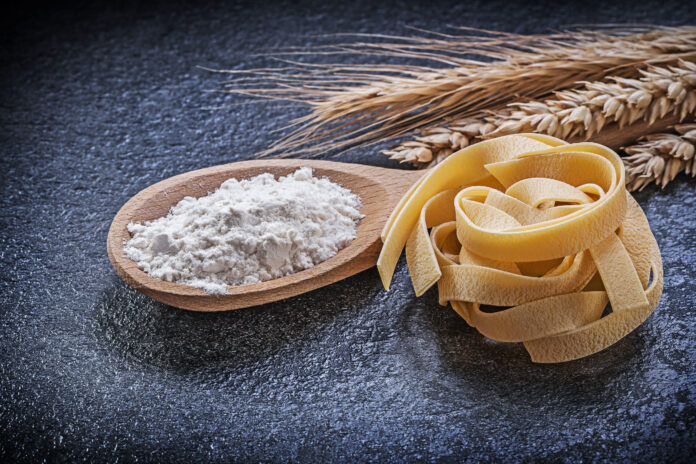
x=572 y=114
x=359 y=104
x=660 y=157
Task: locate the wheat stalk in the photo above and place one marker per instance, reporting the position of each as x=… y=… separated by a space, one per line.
x=364 y=103
x=572 y=114
x=660 y=157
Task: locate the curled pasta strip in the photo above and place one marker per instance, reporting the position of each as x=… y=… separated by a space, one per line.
x=529 y=238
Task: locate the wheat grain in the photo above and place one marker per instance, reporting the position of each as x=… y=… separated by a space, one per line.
x=360 y=104
x=660 y=157
x=576 y=114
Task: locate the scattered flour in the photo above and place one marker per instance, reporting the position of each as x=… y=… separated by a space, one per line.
x=247 y=231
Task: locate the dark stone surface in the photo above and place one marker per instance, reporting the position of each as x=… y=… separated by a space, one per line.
x=99 y=102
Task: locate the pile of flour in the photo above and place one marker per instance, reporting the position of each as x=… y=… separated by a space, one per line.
x=247 y=231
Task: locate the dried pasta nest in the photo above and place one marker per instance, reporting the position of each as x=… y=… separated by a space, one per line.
x=529 y=239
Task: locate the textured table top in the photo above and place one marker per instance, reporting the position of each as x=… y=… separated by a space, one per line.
x=100 y=102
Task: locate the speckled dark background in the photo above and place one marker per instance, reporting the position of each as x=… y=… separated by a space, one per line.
x=98 y=102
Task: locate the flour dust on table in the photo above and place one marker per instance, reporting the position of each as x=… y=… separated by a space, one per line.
x=247 y=231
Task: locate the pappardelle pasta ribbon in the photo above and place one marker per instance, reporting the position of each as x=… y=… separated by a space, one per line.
x=529 y=239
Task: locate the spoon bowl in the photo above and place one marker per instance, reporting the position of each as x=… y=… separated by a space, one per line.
x=379 y=190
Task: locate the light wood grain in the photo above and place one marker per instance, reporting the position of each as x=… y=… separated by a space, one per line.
x=379 y=190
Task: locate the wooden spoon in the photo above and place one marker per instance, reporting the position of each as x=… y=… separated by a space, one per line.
x=379 y=189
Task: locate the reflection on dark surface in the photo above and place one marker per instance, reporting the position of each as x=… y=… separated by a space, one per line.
x=471 y=361
x=142 y=330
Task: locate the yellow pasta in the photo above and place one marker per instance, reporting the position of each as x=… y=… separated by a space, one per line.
x=542 y=233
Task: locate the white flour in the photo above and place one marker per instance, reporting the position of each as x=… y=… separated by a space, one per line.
x=247 y=231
